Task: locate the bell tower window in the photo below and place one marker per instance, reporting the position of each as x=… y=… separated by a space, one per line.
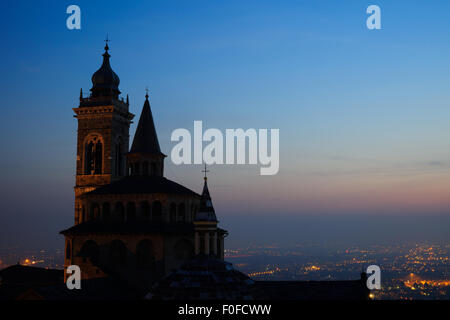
x=93 y=156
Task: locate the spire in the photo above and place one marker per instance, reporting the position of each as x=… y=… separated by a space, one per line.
x=105 y=81
x=205 y=193
x=145 y=139
x=206 y=211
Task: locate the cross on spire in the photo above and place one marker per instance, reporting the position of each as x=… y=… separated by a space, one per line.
x=205 y=171
x=146 y=90
x=106 y=42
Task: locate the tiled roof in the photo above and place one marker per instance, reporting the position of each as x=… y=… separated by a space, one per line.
x=204 y=278
x=312 y=290
x=31 y=283
x=17 y=279
x=143 y=185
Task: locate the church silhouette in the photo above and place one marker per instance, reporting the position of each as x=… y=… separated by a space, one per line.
x=137 y=234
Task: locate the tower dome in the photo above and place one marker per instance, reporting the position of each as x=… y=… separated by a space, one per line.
x=105 y=82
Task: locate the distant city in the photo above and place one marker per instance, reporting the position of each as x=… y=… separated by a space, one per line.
x=409 y=271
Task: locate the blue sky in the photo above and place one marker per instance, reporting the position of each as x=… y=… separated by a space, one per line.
x=363 y=115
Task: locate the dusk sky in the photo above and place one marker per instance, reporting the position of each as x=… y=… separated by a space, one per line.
x=364 y=115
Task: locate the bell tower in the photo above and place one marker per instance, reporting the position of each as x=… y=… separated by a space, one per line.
x=103 y=134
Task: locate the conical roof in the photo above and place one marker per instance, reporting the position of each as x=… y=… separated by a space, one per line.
x=145 y=139
x=206 y=211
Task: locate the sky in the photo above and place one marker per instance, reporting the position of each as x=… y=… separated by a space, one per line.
x=363 y=114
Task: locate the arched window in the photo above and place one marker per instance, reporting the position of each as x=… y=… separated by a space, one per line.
x=183 y=250
x=90 y=250
x=195 y=212
x=219 y=246
x=98 y=157
x=119 y=212
x=192 y=214
x=106 y=212
x=202 y=244
x=173 y=212
x=93 y=155
x=131 y=211
x=157 y=211
x=153 y=168
x=145 y=210
x=95 y=212
x=145 y=168
x=117 y=253
x=145 y=257
x=68 y=251
x=137 y=168
x=181 y=212
x=211 y=243
x=89 y=156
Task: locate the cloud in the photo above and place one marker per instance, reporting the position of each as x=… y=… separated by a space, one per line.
x=366 y=166
x=435 y=163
